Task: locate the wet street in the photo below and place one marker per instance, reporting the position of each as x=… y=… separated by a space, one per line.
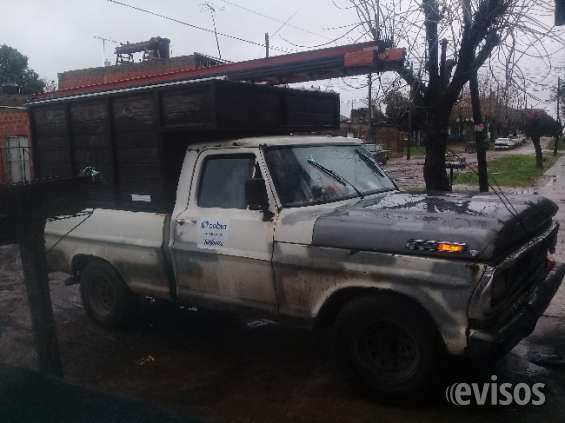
x=224 y=369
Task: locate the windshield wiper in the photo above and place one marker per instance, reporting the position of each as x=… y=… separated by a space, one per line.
x=370 y=162
x=335 y=175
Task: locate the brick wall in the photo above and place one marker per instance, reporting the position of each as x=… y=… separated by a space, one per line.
x=13 y=122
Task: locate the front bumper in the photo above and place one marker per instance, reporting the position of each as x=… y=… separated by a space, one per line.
x=493 y=343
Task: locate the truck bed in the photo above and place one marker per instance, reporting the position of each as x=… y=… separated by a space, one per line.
x=133 y=241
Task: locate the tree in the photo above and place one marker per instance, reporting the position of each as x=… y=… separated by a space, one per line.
x=14 y=70
x=539 y=124
x=450 y=41
x=398 y=109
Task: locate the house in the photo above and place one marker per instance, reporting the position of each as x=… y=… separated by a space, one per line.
x=500 y=119
x=387 y=135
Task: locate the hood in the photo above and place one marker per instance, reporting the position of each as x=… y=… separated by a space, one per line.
x=389 y=222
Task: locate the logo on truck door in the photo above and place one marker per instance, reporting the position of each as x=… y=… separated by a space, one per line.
x=214 y=233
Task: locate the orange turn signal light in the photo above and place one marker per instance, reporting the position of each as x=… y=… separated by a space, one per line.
x=448 y=247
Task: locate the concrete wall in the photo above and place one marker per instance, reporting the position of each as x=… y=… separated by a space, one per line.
x=13 y=123
x=108 y=74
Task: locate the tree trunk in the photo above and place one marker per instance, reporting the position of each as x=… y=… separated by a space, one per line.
x=537 y=147
x=435 y=173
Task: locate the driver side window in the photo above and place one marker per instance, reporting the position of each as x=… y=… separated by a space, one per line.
x=222 y=181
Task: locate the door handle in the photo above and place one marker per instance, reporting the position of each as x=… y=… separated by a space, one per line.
x=181 y=222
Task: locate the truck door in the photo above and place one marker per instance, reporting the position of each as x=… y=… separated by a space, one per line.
x=222 y=250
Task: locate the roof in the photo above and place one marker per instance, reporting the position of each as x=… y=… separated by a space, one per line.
x=271 y=141
x=352 y=59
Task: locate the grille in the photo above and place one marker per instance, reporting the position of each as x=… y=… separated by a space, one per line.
x=510 y=284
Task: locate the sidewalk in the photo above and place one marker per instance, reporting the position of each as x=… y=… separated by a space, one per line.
x=555 y=190
x=544 y=350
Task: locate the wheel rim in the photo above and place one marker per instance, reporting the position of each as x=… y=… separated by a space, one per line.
x=388 y=351
x=102 y=296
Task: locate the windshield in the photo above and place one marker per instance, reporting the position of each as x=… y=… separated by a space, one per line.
x=322 y=174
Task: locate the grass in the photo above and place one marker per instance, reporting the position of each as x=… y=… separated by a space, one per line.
x=416 y=151
x=510 y=171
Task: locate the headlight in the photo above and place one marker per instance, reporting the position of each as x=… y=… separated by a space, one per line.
x=437 y=246
x=481 y=301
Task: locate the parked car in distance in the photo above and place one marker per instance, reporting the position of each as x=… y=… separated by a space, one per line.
x=518 y=140
x=379 y=154
x=504 y=144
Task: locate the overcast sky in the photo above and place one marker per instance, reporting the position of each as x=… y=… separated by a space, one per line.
x=58 y=35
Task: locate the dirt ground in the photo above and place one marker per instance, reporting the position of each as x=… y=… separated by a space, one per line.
x=224 y=369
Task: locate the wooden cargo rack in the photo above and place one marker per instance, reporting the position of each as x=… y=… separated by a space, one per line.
x=136 y=137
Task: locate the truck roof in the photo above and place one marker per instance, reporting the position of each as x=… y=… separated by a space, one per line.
x=287 y=140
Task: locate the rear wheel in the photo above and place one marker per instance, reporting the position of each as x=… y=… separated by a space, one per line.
x=390 y=345
x=105 y=296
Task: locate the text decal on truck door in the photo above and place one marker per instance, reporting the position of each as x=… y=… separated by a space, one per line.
x=214 y=233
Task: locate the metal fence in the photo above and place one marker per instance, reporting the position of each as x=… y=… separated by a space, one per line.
x=15 y=161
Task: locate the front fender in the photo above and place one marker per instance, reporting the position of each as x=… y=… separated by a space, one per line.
x=309 y=277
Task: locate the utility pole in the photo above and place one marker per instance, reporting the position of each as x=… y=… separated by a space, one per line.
x=410 y=125
x=479 y=134
x=558 y=135
x=410 y=133
x=496 y=120
x=370 y=109
x=269 y=36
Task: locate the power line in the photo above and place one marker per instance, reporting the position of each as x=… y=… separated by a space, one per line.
x=333 y=28
x=285 y=23
x=272 y=18
x=322 y=44
x=198 y=27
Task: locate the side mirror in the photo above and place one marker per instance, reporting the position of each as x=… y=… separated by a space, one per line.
x=256 y=194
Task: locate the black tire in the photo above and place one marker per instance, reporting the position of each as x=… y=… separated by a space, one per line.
x=391 y=346
x=105 y=296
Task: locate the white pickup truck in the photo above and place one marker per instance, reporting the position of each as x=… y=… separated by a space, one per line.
x=311 y=231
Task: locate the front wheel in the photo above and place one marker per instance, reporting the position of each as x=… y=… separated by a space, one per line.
x=390 y=345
